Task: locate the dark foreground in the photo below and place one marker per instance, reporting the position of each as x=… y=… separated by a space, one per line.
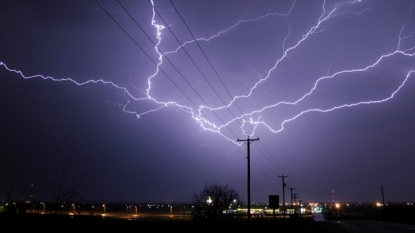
x=50 y=223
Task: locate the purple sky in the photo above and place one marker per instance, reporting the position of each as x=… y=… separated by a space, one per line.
x=328 y=87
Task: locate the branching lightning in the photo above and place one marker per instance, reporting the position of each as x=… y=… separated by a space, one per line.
x=253 y=119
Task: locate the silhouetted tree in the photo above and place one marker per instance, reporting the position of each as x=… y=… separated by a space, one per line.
x=213 y=200
x=18 y=205
x=63 y=193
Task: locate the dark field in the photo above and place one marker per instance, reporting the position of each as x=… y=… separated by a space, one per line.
x=64 y=223
x=157 y=220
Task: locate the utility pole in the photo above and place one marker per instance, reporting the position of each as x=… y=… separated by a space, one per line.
x=248 y=143
x=295 y=201
x=291 y=189
x=283 y=194
x=383 y=196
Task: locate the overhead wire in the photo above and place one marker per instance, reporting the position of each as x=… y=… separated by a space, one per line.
x=211 y=65
x=156 y=63
x=180 y=72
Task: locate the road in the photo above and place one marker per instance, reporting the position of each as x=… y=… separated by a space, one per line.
x=360 y=226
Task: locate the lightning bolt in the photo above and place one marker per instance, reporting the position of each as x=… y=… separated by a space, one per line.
x=248 y=122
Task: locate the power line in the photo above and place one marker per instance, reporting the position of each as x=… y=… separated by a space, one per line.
x=157 y=65
x=180 y=72
x=194 y=38
x=204 y=54
x=194 y=63
x=150 y=57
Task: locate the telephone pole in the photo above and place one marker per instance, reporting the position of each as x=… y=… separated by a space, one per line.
x=291 y=189
x=248 y=143
x=383 y=196
x=283 y=194
x=295 y=201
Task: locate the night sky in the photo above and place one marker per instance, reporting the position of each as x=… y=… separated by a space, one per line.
x=145 y=101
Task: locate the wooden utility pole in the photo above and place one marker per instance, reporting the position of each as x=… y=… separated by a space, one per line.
x=283 y=194
x=248 y=143
x=295 y=201
x=291 y=189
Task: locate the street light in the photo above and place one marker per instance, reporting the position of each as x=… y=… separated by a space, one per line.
x=338 y=208
x=44 y=208
x=103 y=205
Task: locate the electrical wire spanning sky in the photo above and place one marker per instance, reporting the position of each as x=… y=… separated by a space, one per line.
x=226 y=117
x=218 y=71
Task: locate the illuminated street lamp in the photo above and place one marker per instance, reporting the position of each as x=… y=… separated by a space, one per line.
x=209 y=200
x=338 y=208
x=135 y=210
x=103 y=205
x=44 y=208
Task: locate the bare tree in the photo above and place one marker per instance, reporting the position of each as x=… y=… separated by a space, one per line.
x=213 y=200
x=16 y=205
x=9 y=185
x=63 y=194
